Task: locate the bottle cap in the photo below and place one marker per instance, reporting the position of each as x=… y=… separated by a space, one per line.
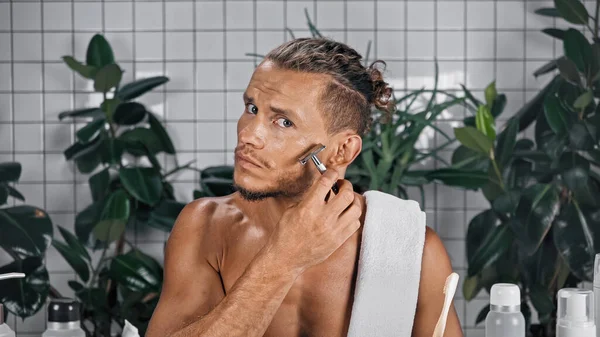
x=505 y=294
x=63 y=310
x=575 y=308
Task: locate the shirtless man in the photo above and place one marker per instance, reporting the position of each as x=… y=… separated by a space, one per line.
x=278 y=258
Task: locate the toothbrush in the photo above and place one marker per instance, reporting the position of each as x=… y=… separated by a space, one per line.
x=11 y=275
x=449 y=290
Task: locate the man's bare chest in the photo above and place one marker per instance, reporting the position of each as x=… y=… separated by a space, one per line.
x=320 y=301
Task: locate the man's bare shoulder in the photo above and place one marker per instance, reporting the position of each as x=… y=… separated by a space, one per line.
x=202 y=226
x=208 y=214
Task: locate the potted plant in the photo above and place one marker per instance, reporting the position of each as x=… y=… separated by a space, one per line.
x=542 y=227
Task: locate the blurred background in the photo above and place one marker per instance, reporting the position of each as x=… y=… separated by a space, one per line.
x=84 y=149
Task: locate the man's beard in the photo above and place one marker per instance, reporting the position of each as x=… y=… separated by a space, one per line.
x=288 y=187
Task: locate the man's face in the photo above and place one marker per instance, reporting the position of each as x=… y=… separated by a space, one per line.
x=279 y=124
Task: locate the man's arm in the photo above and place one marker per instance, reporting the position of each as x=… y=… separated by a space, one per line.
x=435 y=268
x=192 y=302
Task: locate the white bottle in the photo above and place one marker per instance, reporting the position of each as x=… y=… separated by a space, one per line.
x=505 y=318
x=63 y=319
x=575 y=315
x=5 y=330
x=597 y=293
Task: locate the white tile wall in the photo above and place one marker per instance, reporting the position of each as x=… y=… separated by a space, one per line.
x=201 y=46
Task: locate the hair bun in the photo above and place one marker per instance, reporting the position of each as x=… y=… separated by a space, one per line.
x=382 y=92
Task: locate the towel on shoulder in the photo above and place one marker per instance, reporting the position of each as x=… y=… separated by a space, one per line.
x=389 y=267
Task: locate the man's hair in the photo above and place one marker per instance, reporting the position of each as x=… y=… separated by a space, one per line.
x=353 y=90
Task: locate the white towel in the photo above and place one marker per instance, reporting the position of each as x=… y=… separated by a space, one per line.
x=389 y=267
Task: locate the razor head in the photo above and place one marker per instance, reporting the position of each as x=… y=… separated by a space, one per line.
x=312 y=152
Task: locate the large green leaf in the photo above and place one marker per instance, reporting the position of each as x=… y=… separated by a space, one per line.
x=137 y=88
x=143 y=183
x=485 y=122
x=551 y=12
x=572 y=10
x=499 y=105
x=554 y=32
x=490 y=94
x=99 y=183
x=26 y=230
x=73 y=259
x=495 y=186
x=163 y=216
x=558 y=118
x=578 y=49
x=468 y=179
x=84 y=70
x=506 y=142
x=99 y=53
x=137 y=138
x=473 y=139
x=25 y=297
x=480 y=227
x=573 y=233
x=79 y=149
x=507 y=202
x=582 y=135
x=529 y=112
x=575 y=171
x=74 y=243
x=14 y=193
x=546 y=68
x=85 y=112
x=3 y=193
x=114 y=217
x=107 y=78
x=129 y=113
x=491 y=249
x=584 y=100
x=568 y=70
x=467 y=159
x=538 y=206
x=547 y=140
x=137 y=271
x=86 y=220
x=161 y=133
x=542 y=300
x=90 y=130
x=10 y=171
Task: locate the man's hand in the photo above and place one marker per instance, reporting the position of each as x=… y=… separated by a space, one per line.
x=310 y=231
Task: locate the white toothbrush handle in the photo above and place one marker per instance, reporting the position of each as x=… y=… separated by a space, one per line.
x=11 y=275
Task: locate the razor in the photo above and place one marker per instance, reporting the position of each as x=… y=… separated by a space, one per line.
x=312 y=154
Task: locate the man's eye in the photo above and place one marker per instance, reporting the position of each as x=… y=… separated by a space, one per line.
x=252 y=108
x=286 y=122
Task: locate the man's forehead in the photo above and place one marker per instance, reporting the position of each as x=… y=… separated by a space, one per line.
x=288 y=83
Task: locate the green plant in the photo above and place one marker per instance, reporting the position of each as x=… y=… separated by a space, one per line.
x=542 y=228
x=117 y=148
x=26 y=234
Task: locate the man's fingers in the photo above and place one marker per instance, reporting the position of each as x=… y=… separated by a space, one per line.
x=340 y=201
x=322 y=186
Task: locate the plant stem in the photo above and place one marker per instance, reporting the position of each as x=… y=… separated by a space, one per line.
x=595 y=32
x=97 y=270
x=497 y=170
x=55 y=293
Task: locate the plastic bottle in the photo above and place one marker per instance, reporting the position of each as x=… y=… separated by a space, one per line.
x=5 y=330
x=64 y=319
x=505 y=318
x=575 y=315
x=597 y=293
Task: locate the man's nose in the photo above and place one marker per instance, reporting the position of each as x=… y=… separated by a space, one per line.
x=253 y=133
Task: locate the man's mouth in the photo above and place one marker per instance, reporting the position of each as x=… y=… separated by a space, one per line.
x=246 y=160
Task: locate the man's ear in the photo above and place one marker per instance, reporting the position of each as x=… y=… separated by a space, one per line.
x=348 y=148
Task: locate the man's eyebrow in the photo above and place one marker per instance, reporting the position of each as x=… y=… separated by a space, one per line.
x=285 y=112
